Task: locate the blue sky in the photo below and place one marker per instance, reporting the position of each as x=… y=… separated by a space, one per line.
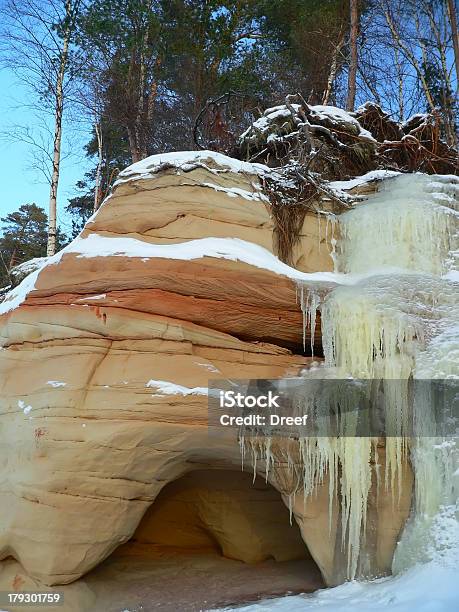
x=20 y=184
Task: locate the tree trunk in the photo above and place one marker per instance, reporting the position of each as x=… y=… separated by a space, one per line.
x=351 y=87
x=97 y=189
x=400 y=79
x=333 y=70
x=12 y=260
x=57 y=143
x=142 y=128
x=133 y=144
x=455 y=35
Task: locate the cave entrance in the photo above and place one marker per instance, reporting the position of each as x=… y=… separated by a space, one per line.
x=212 y=538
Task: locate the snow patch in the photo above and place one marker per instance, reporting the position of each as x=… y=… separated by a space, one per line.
x=186 y=161
x=210 y=367
x=424 y=588
x=25 y=409
x=232 y=249
x=164 y=387
x=235 y=192
x=15 y=297
x=28 y=266
x=100 y=296
x=317 y=112
x=338 y=115
x=373 y=175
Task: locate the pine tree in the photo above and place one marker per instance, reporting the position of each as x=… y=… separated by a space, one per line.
x=24 y=235
x=304 y=41
x=122 y=44
x=156 y=64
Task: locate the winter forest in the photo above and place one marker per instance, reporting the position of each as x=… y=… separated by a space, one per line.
x=140 y=77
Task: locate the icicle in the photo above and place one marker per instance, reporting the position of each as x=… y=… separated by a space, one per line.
x=254 y=457
x=320 y=230
x=242 y=449
x=309 y=307
x=304 y=309
x=269 y=457
x=333 y=244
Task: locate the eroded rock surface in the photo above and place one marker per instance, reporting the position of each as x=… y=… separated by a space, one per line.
x=107 y=352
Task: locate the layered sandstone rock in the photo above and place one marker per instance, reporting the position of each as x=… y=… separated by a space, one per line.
x=107 y=352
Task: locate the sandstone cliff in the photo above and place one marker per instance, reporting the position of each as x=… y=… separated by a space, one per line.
x=107 y=351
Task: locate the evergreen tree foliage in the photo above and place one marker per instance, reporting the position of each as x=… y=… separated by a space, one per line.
x=23 y=236
x=302 y=38
x=158 y=63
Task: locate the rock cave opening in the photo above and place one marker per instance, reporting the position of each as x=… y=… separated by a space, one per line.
x=211 y=537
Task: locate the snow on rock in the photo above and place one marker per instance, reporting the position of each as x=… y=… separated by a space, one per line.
x=186 y=161
x=19 y=272
x=17 y=295
x=164 y=387
x=340 y=187
x=100 y=296
x=436 y=184
x=232 y=249
x=235 y=192
x=209 y=367
x=223 y=248
x=25 y=409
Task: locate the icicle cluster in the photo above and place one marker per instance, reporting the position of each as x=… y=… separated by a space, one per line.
x=410 y=224
x=395 y=323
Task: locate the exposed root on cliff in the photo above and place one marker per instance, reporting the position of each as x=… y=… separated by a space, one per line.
x=293 y=192
x=337 y=144
x=327 y=140
x=414 y=146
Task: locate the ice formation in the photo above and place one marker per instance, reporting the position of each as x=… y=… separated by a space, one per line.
x=410 y=224
x=397 y=323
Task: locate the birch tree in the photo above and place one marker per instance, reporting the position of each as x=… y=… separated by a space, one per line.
x=455 y=36
x=37 y=36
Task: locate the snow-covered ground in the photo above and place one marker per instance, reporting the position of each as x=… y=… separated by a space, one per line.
x=430 y=587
